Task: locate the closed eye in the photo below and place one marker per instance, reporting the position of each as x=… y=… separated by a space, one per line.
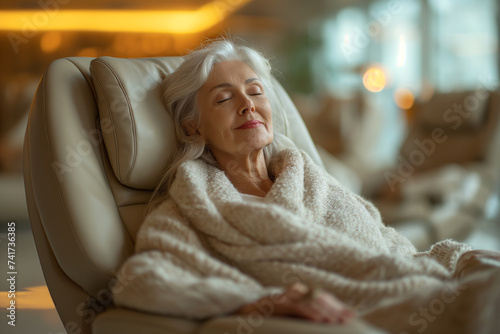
x=223 y=100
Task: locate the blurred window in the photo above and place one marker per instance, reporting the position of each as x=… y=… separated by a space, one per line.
x=399 y=45
x=464 y=43
x=345 y=50
x=457 y=39
x=421 y=46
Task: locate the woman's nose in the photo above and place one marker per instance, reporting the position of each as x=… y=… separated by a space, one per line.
x=246 y=106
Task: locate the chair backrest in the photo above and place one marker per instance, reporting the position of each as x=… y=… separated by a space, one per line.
x=94 y=134
x=458 y=127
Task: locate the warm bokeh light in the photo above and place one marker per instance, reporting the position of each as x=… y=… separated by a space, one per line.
x=88 y=52
x=147 y=21
x=374 y=79
x=50 y=41
x=37 y=297
x=404 y=98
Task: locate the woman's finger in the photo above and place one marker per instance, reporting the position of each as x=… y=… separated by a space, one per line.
x=334 y=309
x=321 y=306
x=313 y=304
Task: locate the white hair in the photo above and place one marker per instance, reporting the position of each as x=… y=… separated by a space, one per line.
x=180 y=96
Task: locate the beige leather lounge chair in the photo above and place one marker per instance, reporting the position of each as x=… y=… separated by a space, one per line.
x=96 y=143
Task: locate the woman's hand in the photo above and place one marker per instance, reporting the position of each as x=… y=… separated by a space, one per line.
x=475 y=260
x=300 y=301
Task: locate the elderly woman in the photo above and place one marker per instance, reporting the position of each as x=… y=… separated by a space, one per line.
x=243 y=221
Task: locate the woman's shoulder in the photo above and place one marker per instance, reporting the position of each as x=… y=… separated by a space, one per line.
x=196 y=167
x=290 y=159
x=292 y=155
x=194 y=180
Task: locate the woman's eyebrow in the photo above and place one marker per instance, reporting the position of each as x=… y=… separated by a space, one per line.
x=220 y=86
x=250 y=80
x=226 y=84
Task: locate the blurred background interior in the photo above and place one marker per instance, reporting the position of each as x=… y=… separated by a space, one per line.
x=399 y=96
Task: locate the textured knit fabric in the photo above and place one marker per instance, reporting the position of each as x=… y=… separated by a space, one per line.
x=205 y=251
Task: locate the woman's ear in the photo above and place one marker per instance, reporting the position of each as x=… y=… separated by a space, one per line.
x=191 y=128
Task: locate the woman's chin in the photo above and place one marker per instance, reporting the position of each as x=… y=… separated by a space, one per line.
x=255 y=144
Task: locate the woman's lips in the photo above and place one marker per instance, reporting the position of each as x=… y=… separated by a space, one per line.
x=250 y=124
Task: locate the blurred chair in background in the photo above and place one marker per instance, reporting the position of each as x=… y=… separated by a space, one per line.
x=448 y=170
x=447 y=174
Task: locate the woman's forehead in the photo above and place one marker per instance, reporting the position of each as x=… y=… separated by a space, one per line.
x=230 y=72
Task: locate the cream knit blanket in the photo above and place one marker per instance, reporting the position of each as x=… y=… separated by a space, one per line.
x=205 y=251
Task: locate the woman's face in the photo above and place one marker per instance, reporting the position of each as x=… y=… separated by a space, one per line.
x=235 y=114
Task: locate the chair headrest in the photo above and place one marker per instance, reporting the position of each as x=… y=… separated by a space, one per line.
x=137 y=130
